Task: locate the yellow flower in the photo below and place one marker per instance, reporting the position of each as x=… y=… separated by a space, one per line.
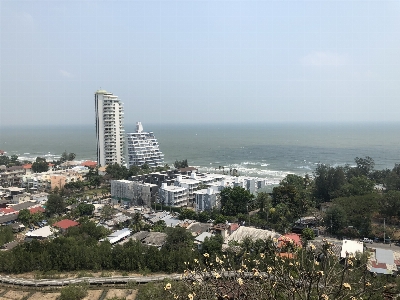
x=240 y=281
x=205 y=255
x=167 y=286
x=324 y=297
x=190 y=296
x=347 y=285
x=269 y=269
x=320 y=273
x=176 y=296
x=350 y=262
x=217 y=259
x=196 y=260
x=368 y=284
x=316 y=263
x=312 y=246
x=262 y=255
x=217 y=275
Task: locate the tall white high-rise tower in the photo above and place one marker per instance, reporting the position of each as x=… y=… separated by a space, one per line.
x=110 y=131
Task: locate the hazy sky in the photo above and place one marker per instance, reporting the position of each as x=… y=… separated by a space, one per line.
x=200 y=61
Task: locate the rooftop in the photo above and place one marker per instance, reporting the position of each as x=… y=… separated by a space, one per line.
x=66 y=223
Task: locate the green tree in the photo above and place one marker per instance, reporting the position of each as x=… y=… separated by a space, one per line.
x=357 y=186
x=186 y=213
x=4 y=160
x=40 y=165
x=55 y=205
x=213 y=244
x=235 y=200
x=328 y=182
x=64 y=157
x=159 y=226
x=307 y=234
x=85 y=209
x=6 y=235
x=335 y=219
x=24 y=216
x=181 y=164
x=178 y=238
x=107 y=212
x=14 y=160
x=117 y=171
x=390 y=204
x=71 y=156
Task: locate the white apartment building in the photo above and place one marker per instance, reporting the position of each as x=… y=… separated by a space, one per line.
x=173 y=195
x=206 y=199
x=142 y=148
x=122 y=190
x=191 y=184
x=109 y=128
x=133 y=192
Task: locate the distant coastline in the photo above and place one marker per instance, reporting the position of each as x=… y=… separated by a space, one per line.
x=269 y=150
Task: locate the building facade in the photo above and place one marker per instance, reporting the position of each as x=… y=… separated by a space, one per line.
x=110 y=131
x=133 y=192
x=143 y=148
x=206 y=199
x=173 y=195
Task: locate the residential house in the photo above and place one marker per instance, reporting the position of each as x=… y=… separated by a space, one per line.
x=382 y=261
x=63 y=225
x=199 y=240
x=351 y=248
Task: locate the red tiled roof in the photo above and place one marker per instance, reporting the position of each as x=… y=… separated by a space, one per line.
x=51 y=165
x=89 y=164
x=290 y=237
x=34 y=210
x=7 y=210
x=27 y=166
x=234 y=226
x=64 y=224
x=2 y=152
x=378 y=265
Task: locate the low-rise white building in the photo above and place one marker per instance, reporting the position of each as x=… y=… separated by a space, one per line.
x=133 y=192
x=173 y=195
x=351 y=248
x=191 y=184
x=206 y=199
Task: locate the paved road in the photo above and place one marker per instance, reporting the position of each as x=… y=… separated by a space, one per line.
x=373 y=245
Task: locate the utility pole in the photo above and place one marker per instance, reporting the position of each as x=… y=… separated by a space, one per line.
x=384 y=231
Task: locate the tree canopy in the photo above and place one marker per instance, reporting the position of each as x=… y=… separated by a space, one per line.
x=235 y=200
x=40 y=165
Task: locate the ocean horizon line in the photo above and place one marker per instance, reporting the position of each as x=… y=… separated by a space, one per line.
x=228 y=124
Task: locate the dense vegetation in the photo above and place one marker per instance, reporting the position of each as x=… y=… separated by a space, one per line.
x=79 y=250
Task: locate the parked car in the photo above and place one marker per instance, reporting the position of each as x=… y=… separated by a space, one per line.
x=366 y=240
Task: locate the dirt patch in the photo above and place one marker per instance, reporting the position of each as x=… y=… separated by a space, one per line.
x=120 y=293
x=44 y=296
x=14 y=295
x=93 y=294
x=116 y=293
x=131 y=294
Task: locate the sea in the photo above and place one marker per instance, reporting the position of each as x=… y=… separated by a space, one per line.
x=270 y=150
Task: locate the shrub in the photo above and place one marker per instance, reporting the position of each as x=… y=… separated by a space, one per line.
x=73 y=292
